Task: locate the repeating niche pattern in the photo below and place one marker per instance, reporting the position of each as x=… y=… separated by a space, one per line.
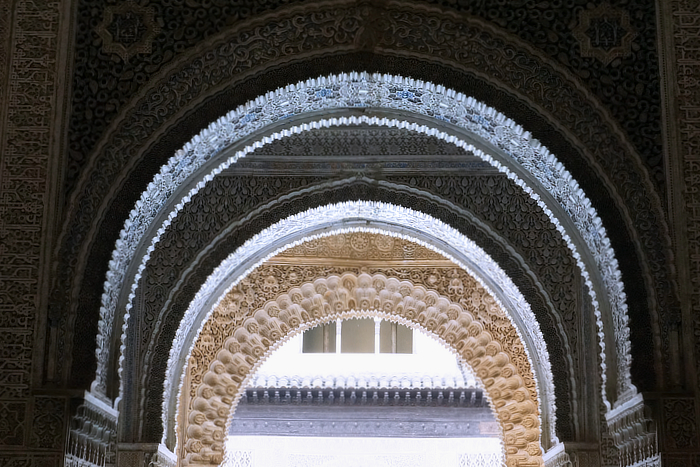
x=237 y=337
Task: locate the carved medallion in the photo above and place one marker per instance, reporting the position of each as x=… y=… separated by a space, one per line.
x=604 y=33
x=128 y=29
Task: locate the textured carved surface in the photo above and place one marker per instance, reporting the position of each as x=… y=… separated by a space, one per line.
x=686 y=29
x=26 y=129
x=127 y=29
x=630 y=91
x=361 y=245
x=598 y=137
x=5 y=21
x=235 y=197
x=680 y=425
x=552 y=330
x=604 y=33
x=508 y=210
x=240 y=334
x=632 y=428
x=91 y=441
x=12 y=423
x=48 y=423
x=29 y=460
x=24 y=155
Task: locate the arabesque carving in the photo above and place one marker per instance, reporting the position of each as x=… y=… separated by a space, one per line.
x=384 y=91
x=239 y=336
x=561 y=96
x=361 y=246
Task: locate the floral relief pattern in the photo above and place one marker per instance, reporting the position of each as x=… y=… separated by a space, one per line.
x=240 y=334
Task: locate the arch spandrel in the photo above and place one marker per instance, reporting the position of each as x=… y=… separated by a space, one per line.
x=238 y=337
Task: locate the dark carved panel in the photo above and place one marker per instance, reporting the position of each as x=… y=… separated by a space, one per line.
x=680 y=424
x=48 y=427
x=12 y=423
x=103 y=82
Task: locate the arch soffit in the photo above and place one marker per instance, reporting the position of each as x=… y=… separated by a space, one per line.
x=373 y=217
x=486 y=123
x=587 y=112
x=220 y=365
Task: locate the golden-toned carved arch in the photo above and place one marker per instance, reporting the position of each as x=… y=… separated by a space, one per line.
x=239 y=335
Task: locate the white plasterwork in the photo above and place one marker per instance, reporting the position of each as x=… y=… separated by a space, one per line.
x=382 y=92
x=507 y=295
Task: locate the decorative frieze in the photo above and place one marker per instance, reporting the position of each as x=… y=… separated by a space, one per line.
x=25 y=149
x=92 y=436
x=385 y=397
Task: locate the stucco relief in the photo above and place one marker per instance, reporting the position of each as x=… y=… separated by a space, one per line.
x=239 y=336
x=398 y=93
x=471 y=260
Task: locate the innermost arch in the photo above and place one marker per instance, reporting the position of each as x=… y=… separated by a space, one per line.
x=422 y=407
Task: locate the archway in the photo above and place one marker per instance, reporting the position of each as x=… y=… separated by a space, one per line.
x=514 y=153
x=461 y=258
x=219 y=365
x=146 y=246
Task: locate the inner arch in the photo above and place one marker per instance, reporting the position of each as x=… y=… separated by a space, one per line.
x=242 y=338
x=363 y=389
x=371 y=217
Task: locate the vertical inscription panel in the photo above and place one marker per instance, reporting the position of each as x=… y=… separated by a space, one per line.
x=686 y=31
x=28 y=47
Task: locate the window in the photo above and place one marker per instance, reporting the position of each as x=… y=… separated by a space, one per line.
x=359 y=335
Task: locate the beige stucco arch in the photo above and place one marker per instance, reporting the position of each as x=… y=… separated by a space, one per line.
x=238 y=336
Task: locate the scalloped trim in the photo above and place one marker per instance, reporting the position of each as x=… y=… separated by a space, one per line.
x=377 y=212
x=371 y=91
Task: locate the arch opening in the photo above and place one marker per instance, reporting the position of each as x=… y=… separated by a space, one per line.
x=219 y=372
x=421 y=407
x=395 y=223
x=164 y=186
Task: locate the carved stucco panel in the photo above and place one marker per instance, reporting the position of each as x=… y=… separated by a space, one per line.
x=239 y=336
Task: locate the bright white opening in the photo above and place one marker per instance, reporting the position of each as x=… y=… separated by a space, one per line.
x=431 y=365
x=283 y=451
